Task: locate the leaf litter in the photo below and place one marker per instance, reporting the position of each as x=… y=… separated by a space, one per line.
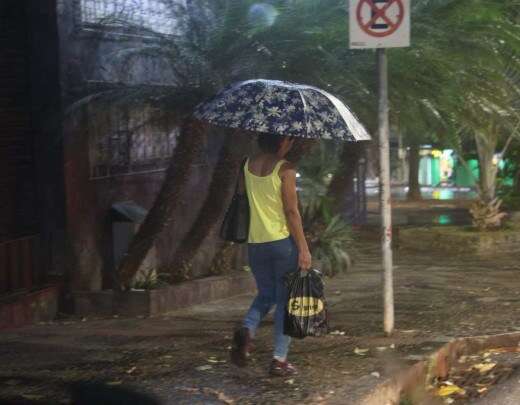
x=475 y=375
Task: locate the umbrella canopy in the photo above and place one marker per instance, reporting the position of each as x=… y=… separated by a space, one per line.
x=282 y=108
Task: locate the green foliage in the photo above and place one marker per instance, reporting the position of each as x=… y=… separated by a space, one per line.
x=150 y=280
x=316 y=169
x=459 y=67
x=508 y=187
x=329 y=237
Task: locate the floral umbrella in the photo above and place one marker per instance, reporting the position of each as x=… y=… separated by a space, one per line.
x=282 y=108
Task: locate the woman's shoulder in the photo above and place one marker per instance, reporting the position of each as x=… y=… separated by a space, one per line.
x=285 y=167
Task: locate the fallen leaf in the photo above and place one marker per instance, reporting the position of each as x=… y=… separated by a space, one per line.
x=215 y=360
x=361 y=352
x=220 y=395
x=484 y=367
x=482 y=390
x=188 y=389
x=114 y=382
x=448 y=382
x=33 y=397
x=12 y=382
x=131 y=370
x=500 y=350
x=414 y=357
x=290 y=381
x=224 y=398
x=448 y=390
x=204 y=368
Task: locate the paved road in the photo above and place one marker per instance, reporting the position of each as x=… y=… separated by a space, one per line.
x=182 y=357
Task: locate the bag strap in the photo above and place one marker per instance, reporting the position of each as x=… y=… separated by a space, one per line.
x=241 y=176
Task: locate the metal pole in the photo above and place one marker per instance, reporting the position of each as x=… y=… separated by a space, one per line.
x=384 y=191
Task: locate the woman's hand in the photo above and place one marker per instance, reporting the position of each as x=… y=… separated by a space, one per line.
x=304 y=260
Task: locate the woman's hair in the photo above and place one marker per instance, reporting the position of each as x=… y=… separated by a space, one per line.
x=300 y=149
x=269 y=143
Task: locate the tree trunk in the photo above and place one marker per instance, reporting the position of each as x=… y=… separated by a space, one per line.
x=486 y=148
x=343 y=181
x=167 y=201
x=215 y=204
x=414 y=188
x=517 y=181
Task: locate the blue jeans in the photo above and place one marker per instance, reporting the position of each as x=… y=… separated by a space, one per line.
x=269 y=262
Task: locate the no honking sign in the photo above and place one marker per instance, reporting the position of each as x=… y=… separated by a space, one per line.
x=379 y=23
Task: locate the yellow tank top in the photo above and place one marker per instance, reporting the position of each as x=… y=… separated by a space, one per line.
x=267 y=217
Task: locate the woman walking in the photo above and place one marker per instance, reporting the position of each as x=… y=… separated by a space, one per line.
x=276 y=245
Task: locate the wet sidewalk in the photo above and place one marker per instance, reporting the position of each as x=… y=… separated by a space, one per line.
x=182 y=358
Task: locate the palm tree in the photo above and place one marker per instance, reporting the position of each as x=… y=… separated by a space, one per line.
x=215 y=203
x=217 y=45
x=459 y=74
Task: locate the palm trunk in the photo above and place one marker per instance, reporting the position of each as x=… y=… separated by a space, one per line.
x=486 y=148
x=414 y=188
x=343 y=181
x=215 y=204
x=167 y=202
x=517 y=181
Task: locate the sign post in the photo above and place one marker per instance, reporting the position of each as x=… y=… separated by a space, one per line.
x=382 y=24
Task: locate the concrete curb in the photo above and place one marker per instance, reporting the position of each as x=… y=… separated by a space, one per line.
x=27 y=308
x=159 y=301
x=453 y=239
x=438 y=365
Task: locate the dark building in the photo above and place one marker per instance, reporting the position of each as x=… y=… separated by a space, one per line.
x=32 y=221
x=64 y=168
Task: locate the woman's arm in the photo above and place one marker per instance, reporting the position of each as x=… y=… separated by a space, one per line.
x=292 y=213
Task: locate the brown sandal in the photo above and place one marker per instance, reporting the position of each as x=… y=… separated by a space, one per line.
x=282 y=368
x=242 y=346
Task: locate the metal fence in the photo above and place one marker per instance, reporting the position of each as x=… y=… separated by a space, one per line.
x=131 y=143
x=150 y=15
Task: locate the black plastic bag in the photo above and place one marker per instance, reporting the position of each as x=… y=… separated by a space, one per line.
x=235 y=227
x=306 y=311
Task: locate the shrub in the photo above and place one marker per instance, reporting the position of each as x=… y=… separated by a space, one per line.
x=329 y=237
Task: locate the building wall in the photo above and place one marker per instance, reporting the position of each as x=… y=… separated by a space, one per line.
x=97 y=175
x=31 y=186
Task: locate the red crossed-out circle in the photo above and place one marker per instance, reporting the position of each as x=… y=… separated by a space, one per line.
x=380 y=13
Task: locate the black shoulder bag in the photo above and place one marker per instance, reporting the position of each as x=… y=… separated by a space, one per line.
x=235 y=227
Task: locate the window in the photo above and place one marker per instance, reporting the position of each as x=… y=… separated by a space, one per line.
x=147 y=16
x=129 y=142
